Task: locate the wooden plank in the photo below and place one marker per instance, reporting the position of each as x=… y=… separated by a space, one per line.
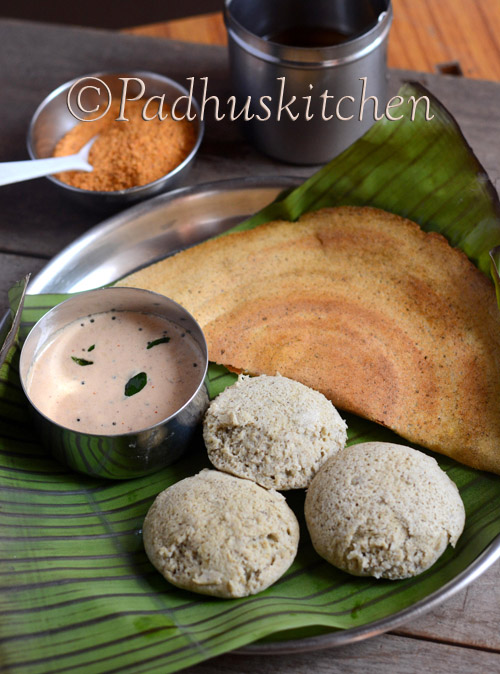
x=202 y=29
x=382 y=655
x=423 y=34
x=470 y=617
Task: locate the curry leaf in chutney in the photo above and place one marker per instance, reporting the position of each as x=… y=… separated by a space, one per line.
x=155 y=342
x=82 y=361
x=136 y=384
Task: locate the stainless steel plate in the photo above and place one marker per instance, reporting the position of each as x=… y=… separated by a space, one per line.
x=154 y=229
x=159 y=227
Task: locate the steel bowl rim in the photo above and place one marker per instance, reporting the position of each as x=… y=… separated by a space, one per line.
x=320 y=57
x=146 y=429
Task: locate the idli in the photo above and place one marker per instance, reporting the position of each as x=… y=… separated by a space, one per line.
x=217 y=534
x=273 y=430
x=384 y=510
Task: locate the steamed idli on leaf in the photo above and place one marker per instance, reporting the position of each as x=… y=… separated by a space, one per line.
x=217 y=534
x=272 y=430
x=383 y=510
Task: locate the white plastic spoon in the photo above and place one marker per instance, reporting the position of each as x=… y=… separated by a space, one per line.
x=17 y=171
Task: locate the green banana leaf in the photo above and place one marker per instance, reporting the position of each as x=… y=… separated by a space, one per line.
x=78 y=593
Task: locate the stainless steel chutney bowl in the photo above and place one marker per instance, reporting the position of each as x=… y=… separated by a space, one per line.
x=274 y=74
x=126 y=455
x=53 y=119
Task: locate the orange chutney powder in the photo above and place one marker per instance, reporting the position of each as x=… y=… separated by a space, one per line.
x=127 y=153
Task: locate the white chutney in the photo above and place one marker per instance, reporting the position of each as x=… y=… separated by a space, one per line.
x=115 y=372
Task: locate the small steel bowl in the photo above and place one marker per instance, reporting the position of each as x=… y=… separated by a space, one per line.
x=127 y=455
x=53 y=119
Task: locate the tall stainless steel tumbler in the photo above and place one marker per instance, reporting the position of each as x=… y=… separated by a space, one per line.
x=308 y=71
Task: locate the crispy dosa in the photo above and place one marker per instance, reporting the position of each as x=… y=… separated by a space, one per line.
x=387 y=321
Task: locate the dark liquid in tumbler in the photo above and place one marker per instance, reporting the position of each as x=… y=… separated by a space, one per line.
x=308 y=36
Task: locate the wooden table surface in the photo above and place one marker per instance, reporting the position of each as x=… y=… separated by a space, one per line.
x=425 y=35
x=461 y=635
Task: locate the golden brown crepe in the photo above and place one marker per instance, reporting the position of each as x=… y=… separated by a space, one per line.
x=387 y=321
